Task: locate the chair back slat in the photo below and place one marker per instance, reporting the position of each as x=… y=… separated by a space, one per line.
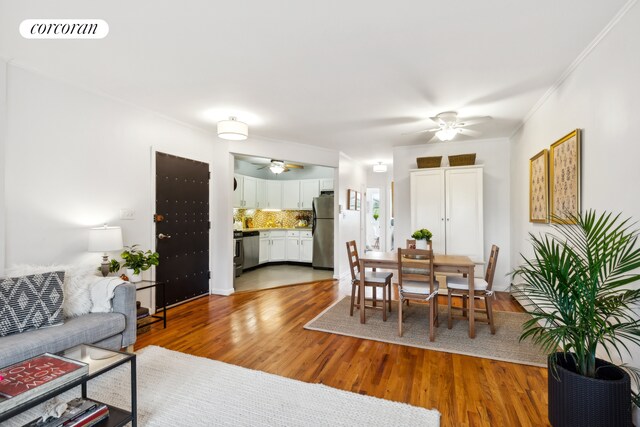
x=354 y=259
x=414 y=269
x=491 y=266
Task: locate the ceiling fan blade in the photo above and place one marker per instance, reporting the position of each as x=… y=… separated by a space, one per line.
x=293 y=166
x=265 y=166
x=422 y=131
x=469 y=132
x=433 y=139
x=437 y=120
x=470 y=121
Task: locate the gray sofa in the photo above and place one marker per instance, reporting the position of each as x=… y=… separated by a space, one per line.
x=109 y=330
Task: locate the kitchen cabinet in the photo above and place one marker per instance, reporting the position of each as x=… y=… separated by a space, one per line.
x=306 y=246
x=293 y=246
x=261 y=194
x=277 y=249
x=326 y=184
x=244 y=195
x=309 y=188
x=263 y=251
x=274 y=194
x=291 y=194
x=449 y=202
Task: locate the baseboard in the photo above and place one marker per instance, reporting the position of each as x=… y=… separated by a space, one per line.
x=224 y=292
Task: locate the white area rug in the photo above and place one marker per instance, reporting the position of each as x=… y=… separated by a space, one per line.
x=177 y=389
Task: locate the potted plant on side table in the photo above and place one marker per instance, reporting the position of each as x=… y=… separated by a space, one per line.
x=423 y=237
x=135 y=261
x=578 y=282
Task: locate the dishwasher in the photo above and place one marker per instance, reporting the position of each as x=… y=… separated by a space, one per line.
x=251 y=243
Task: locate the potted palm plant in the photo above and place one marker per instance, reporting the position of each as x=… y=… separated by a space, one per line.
x=578 y=282
x=135 y=261
x=422 y=236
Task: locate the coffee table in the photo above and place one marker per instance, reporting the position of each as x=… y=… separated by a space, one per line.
x=100 y=361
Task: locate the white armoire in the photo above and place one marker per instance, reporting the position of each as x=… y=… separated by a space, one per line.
x=448 y=202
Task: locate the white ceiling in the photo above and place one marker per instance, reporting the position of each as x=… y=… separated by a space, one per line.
x=351 y=75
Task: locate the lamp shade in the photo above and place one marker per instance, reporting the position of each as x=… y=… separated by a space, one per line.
x=232 y=129
x=105 y=239
x=380 y=168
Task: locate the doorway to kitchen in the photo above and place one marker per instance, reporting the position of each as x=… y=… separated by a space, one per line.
x=283 y=221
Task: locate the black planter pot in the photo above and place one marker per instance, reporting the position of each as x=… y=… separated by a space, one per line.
x=576 y=400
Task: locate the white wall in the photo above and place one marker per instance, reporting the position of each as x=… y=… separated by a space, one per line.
x=352 y=175
x=74 y=158
x=602 y=97
x=3 y=136
x=494 y=155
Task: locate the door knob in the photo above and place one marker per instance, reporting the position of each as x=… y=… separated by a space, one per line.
x=163 y=236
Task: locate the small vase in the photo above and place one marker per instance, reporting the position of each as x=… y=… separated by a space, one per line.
x=133 y=278
x=421 y=244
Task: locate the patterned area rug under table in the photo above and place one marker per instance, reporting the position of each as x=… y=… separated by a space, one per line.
x=177 y=389
x=503 y=346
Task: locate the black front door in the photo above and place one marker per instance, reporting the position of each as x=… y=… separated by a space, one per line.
x=182 y=227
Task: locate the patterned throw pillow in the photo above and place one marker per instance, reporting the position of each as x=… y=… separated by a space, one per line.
x=31 y=302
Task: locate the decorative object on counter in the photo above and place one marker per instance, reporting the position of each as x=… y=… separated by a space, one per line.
x=429 y=162
x=423 y=237
x=233 y=129
x=135 y=261
x=564 y=178
x=462 y=160
x=105 y=239
x=303 y=220
x=539 y=187
x=582 y=301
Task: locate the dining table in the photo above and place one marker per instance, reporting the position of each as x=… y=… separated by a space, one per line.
x=441 y=264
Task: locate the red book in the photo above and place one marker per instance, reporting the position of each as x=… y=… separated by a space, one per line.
x=29 y=378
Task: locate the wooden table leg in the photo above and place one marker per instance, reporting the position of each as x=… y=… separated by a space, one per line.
x=362 y=299
x=472 y=316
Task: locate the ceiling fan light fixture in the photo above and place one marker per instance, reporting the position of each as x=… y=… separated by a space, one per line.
x=276 y=168
x=233 y=129
x=380 y=168
x=446 y=133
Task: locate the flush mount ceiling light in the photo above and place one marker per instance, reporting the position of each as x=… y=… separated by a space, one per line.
x=233 y=129
x=380 y=168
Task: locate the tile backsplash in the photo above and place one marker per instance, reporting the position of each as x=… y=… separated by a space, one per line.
x=256 y=218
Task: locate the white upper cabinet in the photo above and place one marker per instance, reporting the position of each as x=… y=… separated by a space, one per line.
x=309 y=188
x=249 y=192
x=261 y=194
x=291 y=194
x=326 y=184
x=274 y=194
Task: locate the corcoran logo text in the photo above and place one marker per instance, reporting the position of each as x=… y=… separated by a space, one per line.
x=64 y=29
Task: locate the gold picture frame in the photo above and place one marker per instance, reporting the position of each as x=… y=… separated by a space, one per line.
x=564 y=178
x=539 y=187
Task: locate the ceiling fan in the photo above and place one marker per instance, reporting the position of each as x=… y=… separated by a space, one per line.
x=450 y=125
x=279 y=166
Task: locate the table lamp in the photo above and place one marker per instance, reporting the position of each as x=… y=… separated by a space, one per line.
x=105 y=239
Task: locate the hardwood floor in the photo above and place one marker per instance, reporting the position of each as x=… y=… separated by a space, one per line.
x=263 y=330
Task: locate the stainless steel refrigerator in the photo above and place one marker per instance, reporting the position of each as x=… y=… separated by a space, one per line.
x=323 y=232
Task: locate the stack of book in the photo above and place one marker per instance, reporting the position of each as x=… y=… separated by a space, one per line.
x=79 y=413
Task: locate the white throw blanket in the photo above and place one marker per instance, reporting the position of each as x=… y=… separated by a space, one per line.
x=102 y=291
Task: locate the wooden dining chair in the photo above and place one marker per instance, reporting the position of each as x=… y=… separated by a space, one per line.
x=482 y=288
x=416 y=281
x=372 y=279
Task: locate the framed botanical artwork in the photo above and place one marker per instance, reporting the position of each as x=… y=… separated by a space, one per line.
x=539 y=187
x=351 y=200
x=564 y=179
x=358 y=200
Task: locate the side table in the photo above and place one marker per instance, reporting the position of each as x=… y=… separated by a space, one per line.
x=149 y=284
